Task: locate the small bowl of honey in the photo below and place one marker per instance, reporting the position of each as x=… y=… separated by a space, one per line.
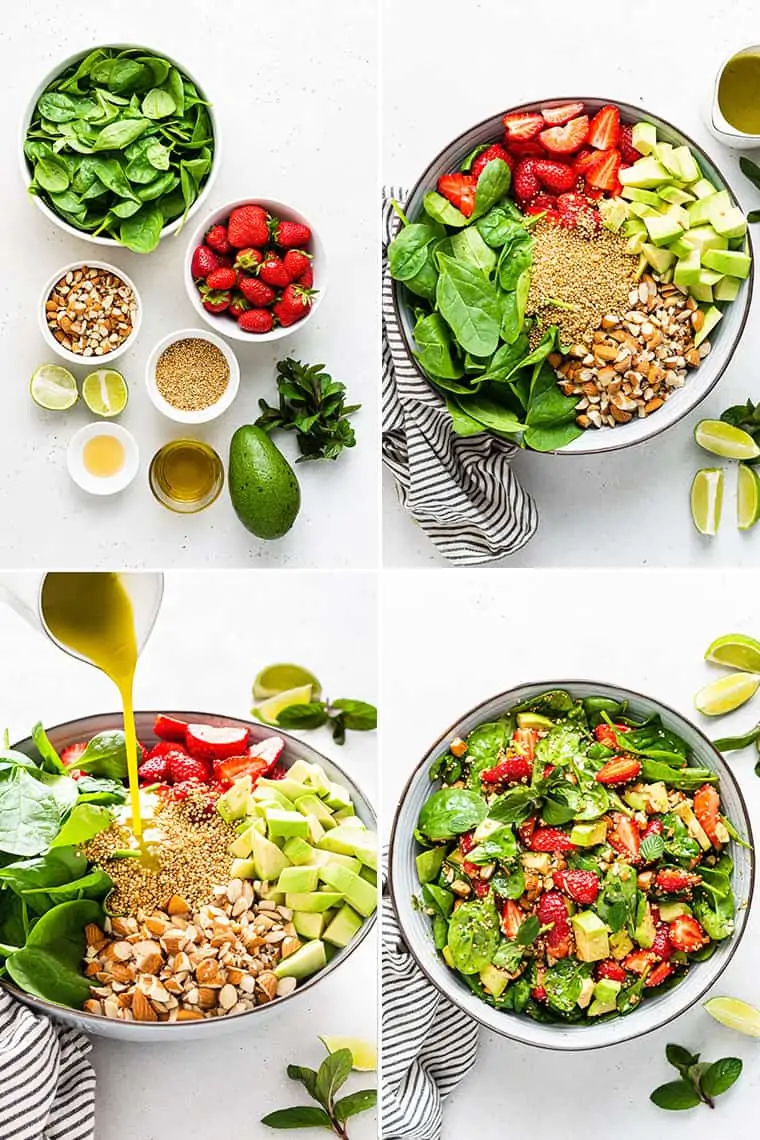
x=103 y=458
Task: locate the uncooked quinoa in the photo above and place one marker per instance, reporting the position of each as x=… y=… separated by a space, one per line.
x=587 y=275
x=192 y=374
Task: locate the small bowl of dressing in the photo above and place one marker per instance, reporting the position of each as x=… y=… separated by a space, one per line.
x=103 y=458
x=734 y=113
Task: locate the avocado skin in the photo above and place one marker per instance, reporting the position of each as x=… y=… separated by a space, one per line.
x=263 y=486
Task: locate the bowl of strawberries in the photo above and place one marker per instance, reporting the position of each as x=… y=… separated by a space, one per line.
x=255 y=269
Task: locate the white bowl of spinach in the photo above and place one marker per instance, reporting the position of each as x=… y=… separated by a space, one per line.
x=458 y=799
x=119 y=146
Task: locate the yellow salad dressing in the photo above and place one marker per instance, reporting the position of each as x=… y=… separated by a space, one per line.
x=92 y=614
x=739 y=93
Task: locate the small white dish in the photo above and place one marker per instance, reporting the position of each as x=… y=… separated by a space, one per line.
x=717 y=123
x=102 y=484
x=203 y=415
x=224 y=324
x=105 y=360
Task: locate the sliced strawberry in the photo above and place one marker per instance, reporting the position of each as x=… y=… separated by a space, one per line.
x=603 y=175
x=581 y=886
x=658 y=975
x=523 y=125
x=624 y=837
x=707 y=811
x=654 y=827
x=573 y=208
x=619 y=770
x=611 y=969
x=674 y=881
x=488 y=155
x=538 y=993
x=459 y=189
x=214 y=742
x=512 y=919
x=628 y=151
x=528 y=148
x=229 y=770
x=584 y=159
x=543 y=202
x=552 y=216
x=567 y=139
x=639 y=961
x=70 y=755
x=662 y=945
x=604 y=130
x=552 y=909
x=686 y=934
x=169 y=728
x=525 y=741
x=550 y=839
x=558 y=116
x=509 y=770
x=604 y=733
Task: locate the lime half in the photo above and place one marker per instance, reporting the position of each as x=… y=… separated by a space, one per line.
x=735 y=650
x=735 y=1014
x=725 y=440
x=269 y=710
x=707 y=500
x=54 y=388
x=727 y=693
x=364 y=1053
x=747 y=498
x=105 y=392
x=275 y=679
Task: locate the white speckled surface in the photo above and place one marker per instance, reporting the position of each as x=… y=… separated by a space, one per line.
x=294 y=87
x=630 y=507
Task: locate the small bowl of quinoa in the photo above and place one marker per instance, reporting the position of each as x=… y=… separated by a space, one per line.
x=89 y=312
x=192 y=376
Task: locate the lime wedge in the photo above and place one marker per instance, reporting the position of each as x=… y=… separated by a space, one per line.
x=707 y=500
x=747 y=497
x=275 y=679
x=725 y=440
x=726 y=694
x=54 y=388
x=735 y=650
x=269 y=710
x=364 y=1053
x=735 y=1014
x=105 y=392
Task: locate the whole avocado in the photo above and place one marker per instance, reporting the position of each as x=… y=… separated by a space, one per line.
x=263 y=486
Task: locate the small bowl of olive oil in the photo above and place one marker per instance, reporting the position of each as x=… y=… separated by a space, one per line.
x=186 y=476
x=103 y=458
x=735 y=111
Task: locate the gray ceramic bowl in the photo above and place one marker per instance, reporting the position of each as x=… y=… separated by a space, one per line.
x=724 y=340
x=654 y=1012
x=75 y=730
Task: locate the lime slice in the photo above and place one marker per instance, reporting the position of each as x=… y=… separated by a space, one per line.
x=269 y=710
x=54 y=388
x=105 y=392
x=364 y=1053
x=707 y=499
x=735 y=1014
x=747 y=498
x=735 y=650
x=278 y=678
x=725 y=440
x=726 y=694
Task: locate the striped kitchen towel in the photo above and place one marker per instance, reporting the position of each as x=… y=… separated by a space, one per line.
x=461 y=490
x=47 y=1086
x=428 y=1044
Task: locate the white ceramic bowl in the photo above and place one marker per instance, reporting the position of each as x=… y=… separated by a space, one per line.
x=653 y=1012
x=85 y=728
x=102 y=485
x=204 y=415
x=26 y=118
x=225 y=325
x=73 y=357
x=724 y=340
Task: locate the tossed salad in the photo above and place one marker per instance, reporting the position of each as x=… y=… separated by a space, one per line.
x=573 y=860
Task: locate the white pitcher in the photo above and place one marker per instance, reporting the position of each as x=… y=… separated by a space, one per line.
x=723 y=131
x=22 y=590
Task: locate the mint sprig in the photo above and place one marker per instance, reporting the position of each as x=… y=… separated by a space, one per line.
x=700 y=1082
x=341 y=715
x=322 y=1085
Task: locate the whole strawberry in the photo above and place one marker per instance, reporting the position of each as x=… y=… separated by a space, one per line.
x=552 y=909
x=256 y=321
x=290 y=235
x=222 y=279
x=581 y=886
x=154 y=770
x=296 y=262
x=256 y=292
x=525 y=182
x=164 y=748
x=215 y=301
x=238 y=305
x=204 y=262
x=272 y=270
x=217 y=239
x=293 y=305
x=557 y=177
x=307 y=277
x=488 y=155
x=248 y=226
x=248 y=258
x=181 y=767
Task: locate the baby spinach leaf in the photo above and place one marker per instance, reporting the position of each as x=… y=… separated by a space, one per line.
x=563 y=983
x=57 y=107
x=473 y=936
x=500 y=845
x=142 y=232
x=509 y=886
x=492 y=415
x=158 y=188
x=100 y=790
x=466 y=165
x=408 y=251
x=484 y=744
x=29 y=813
x=462 y=423
x=508 y=956
x=85 y=821
x=119 y=134
x=51 y=761
x=500 y=224
x=470 y=306
x=105 y=755
x=439 y=209
x=450 y=812
x=516 y=256
x=157 y=104
x=468 y=246
x=51 y=173
x=492 y=185
x=48 y=964
x=434 y=350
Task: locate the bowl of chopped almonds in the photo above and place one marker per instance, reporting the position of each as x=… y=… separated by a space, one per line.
x=192 y=376
x=90 y=310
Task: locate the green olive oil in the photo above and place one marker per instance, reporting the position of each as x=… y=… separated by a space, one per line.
x=739 y=93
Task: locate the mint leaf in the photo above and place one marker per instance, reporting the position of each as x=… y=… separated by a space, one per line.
x=333 y=1073
x=310 y=715
x=528 y=932
x=719 y=1077
x=307 y=1077
x=681 y=1058
x=355 y=1103
x=652 y=848
x=298 y=1117
x=357 y=715
x=675 y=1096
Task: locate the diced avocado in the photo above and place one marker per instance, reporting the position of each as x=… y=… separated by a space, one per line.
x=679 y=215
x=641 y=210
x=614 y=212
x=242 y=846
x=359 y=893
x=701 y=292
x=270 y=861
x=675 y=195
x=680 y=247
x=429 y=864
x=486 y=829
x=369 y=874
x=337 y=796
x=670 y=911
x=636 y=243
x=533 y=720
x=587 y=992
x=644 y=137
x=641 y=268
x=269 y=796
x=659 y=259
x=341 y=840
x=494 y=980
x=712 y=316
x=307 y=961
x=296 y=879
x=299 y=851
x=354 y=822
x=345 y=926
x=591 y=937
x=448 y=957
x=645 y=932
x=291 y=789
x=365 y=848
x=702 y=238
x=687 y=270
x=634 y=799
x=634 y=226
x=730 y=221
x=688 y=171
x=731 y=262
x=699 y=211
x=703 y=188
x=308 y=925
x=589 y=834
x=269 y=891
x=605 y=997
x=314 y=902
x=316 y=830
x=635 y=194
x=664 y=152
x=233 y=803
x=539 y=861
x=694 y=827
x=727 y=289
x=243 y=869
x=645 y=174
x=286 y=823
x=300 y=770
x=312 y=805
x=620 y=945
